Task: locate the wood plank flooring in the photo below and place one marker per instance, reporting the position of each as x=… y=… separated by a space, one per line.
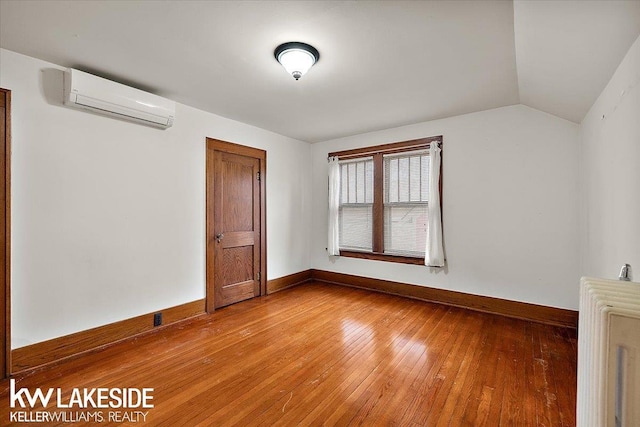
x=320 y=354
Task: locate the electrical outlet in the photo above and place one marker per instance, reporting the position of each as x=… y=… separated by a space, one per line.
x=157 y=319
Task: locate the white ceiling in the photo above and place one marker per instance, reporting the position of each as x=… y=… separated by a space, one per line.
x=383 y=64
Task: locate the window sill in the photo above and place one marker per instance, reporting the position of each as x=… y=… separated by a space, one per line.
x=383 y=257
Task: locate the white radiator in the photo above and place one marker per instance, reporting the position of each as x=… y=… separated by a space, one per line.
x=609 y=354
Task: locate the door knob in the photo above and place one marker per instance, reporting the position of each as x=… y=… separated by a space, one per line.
x=219 y=237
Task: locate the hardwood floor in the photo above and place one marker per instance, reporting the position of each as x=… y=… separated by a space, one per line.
x=323 y=354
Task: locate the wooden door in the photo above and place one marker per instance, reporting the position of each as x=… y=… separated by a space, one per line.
x=235 y=257
x=5 y=131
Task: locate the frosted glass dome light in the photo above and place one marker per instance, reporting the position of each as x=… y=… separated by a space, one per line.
x=297 y=58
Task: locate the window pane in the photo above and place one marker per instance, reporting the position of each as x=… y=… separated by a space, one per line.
x=351 y=167
x=344 y=184
x=391 y=181
x=360 y=183
x=369 y=182
x=356 y=227
x=424 y=167
x=414 y=178
x=405 y=229
x=403 y=179
x=406 y=177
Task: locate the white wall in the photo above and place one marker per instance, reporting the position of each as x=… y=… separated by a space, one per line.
x=610 y=172
x=108 y=216
x=510 y=207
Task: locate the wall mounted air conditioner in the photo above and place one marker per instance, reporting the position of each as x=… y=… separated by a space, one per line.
x=84 y=90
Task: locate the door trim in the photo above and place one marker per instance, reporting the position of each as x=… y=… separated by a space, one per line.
x=6 y=205
x=261 y=155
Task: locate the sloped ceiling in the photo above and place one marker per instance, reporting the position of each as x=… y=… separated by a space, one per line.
x=383 y=64
x=567 y=51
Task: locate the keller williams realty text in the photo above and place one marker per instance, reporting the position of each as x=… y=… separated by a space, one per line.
x=76 y=417
x=81 y=401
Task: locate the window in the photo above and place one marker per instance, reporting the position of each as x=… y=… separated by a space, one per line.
x=356 y=204
x=384 y=200
x=406 y=199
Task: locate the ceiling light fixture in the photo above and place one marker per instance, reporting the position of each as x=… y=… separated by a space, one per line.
x=296 y=57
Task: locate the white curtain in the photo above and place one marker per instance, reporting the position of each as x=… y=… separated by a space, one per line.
x=334 y=204
x=434 y=254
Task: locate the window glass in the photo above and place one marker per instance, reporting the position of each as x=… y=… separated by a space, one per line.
x=406 y=198
x=356 y=204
